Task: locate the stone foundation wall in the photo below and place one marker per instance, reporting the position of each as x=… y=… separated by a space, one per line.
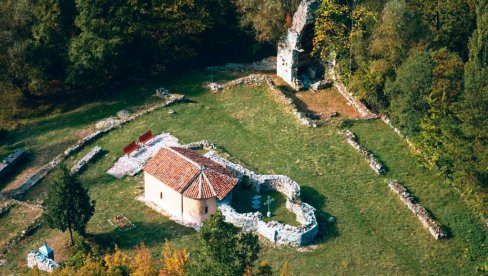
x=374 y=163
x=8 y=163
x=36 y=259
x=86 y=159
x=435 y=229
x=41 y=173
x=276 y=232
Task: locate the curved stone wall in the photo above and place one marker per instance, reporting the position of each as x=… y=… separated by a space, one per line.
x=276 y=232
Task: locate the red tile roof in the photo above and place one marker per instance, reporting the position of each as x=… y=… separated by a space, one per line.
x=191 y=174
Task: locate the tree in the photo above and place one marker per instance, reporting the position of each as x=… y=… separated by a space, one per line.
x=68 y=206
x=268 y=18
x=264 y=269
x=285 y=270
x=449 y=23
x=118 y=262
x=331 y=29
x=409 y=91
x=174 y=260
x=440 y=135
x=52 y=31
x=142 y=263
x=474 y=102
x=223 y=249
x=16 y=66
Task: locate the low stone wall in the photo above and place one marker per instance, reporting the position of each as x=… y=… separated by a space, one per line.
x=267 y=64
x=36 y=259
x=41 y=173
x=204 y=144
x=360 y=107
x=86 y=159
x=277 y=232
x=260 y=79
x=373 y=162
x=29 y=230
x=387 y=121
x=8 y=163
x=435 y=229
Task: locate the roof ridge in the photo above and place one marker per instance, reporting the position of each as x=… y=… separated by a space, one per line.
x=185 y=157
x=209 y=184
x=200 y=185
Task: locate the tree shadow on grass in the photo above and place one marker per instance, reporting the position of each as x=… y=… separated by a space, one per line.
x=327 y=230
x=151 y=234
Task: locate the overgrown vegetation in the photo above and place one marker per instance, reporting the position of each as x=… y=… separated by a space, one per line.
x=423 y=63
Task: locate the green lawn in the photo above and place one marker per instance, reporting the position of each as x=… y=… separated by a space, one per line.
x=374 y=233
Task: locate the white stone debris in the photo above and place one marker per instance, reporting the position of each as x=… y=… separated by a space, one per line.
x=36 y=259
x=134 y=163
x=277 y=232
x=204 y=144
x=373 y=162
x=86 y=159
x=107 y=122
x=123 y=114
x=8 y=163
x=290 y=45
x=267 y=64
x=435 y=229
x=214 y=87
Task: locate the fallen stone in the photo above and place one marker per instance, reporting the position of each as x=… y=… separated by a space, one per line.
x=123 y=114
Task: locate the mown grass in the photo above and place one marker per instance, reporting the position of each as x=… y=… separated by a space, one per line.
x=374 y=233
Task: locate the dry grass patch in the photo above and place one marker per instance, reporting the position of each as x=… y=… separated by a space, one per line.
x=325 y=102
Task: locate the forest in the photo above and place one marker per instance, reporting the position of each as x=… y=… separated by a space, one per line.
x=422 y=63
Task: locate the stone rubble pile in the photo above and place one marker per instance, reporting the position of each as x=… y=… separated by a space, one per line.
x=373 y=162
x=260 y=79
x=277 y=232
x=267 y=64
x=8 y=163
x=425 y=218
x=86 y=159
x=41 y=173
x=204 y=144
x=134 y=163
x=36 y=259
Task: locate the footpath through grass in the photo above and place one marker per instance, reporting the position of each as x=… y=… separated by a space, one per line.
x=374 y=233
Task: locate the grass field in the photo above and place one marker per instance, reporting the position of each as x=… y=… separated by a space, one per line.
x=374 y=233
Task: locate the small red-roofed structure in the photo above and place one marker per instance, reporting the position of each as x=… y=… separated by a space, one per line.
x=186 y=184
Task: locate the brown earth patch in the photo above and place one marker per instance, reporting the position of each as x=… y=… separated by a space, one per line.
x=325 y=102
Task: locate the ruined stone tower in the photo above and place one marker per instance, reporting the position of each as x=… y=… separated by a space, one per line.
x=295 y=46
